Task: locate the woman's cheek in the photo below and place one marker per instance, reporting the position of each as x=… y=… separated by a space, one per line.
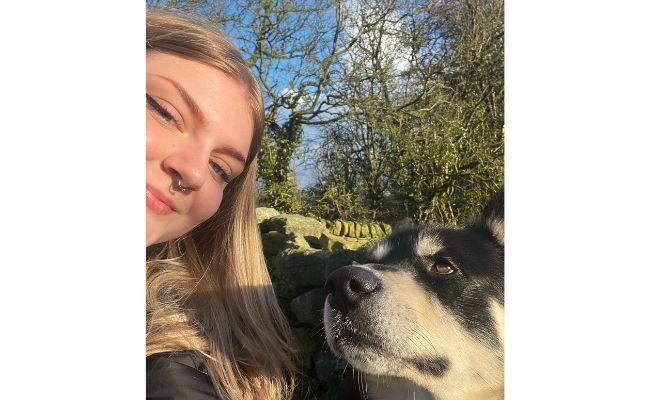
x=207 y=205
x=153 y=142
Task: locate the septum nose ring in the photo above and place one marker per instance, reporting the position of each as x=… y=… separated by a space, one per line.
x=177 y=184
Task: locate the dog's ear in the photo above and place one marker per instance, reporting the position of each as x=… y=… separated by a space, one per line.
x=491 y=219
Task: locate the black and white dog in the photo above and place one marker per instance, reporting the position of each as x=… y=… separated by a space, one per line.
x=423 y=319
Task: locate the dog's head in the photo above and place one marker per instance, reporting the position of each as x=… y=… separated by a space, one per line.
x=427 y=307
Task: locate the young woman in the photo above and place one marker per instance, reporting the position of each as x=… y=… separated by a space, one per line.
x=214 y=328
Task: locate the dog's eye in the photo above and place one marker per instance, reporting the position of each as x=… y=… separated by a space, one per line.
x=442 y=268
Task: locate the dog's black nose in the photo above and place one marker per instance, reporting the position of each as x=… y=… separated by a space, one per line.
x=346 y=286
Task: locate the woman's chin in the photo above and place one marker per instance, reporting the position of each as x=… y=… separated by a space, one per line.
x=152 y=233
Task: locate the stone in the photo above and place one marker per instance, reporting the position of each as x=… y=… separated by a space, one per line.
x=313 y=241
x=345 y=228
x=373 y=231
x=308 y=307
x=352 y=231
x=326 y=223
x=262 y=213
x=273 y=242
x=331 y=242
x=293 y=223
x=342 y=258
x=365 y=231
x=298 y=270
x=338 y=228
x=298 y=241
x=357 y=229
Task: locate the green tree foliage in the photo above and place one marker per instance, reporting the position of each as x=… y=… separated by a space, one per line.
x=278 y=147
x=424 y=133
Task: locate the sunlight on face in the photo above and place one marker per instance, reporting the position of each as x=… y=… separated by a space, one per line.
x=199 y=127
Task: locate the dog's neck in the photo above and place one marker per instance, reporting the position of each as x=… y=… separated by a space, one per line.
x=488 y=393
x=390 y=388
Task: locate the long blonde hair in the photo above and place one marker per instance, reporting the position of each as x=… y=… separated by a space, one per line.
x=209 y=290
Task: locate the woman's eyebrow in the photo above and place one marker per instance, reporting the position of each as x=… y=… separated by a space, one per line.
x=196 y=110
x=232 y=152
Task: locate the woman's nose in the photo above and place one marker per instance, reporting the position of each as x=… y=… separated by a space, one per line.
x=191 y=170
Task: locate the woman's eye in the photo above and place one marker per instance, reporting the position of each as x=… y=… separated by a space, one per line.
x=219 y=170
x=442 y=268
x=160 y=110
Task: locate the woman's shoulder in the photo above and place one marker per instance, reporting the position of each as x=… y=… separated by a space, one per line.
x=179 y=375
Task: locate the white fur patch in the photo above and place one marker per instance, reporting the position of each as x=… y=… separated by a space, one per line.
x=381 y=250
x=496 y=227
x=496 y=310
x=427 y=245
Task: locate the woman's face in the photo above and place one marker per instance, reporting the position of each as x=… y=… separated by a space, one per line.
x=199 y=127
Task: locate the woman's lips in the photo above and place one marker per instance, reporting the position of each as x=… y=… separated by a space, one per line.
x=158 y=203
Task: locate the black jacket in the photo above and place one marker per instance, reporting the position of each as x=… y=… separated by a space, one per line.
x=178 y=376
